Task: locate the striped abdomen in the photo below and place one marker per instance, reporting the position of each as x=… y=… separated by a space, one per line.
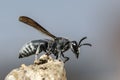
x=31 y=47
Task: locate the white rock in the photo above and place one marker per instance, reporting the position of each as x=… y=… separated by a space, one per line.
x=46 y=68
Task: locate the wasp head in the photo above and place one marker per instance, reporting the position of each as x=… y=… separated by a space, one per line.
x=75 y=47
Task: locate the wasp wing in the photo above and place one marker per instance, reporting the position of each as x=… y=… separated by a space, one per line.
x=35 y=25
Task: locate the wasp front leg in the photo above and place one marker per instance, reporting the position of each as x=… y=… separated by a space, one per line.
x=66 y=58
x=58 y=56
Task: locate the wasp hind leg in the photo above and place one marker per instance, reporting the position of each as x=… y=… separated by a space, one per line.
x=37 y=52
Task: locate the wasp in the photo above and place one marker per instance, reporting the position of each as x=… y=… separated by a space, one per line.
x=56 y=46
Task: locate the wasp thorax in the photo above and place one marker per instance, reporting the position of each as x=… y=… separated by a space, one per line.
x=60 y=43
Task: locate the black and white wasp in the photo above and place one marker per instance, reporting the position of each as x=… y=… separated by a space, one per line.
x=56 y=45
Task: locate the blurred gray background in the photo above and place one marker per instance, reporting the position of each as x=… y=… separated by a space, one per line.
x=99 y=20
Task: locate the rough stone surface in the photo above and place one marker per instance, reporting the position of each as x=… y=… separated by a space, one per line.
x=46 y=68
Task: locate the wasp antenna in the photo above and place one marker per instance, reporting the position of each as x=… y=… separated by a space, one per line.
x=88 y=44
x=82 y=40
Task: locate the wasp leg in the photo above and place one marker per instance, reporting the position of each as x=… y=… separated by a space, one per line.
x=37 y=52
x=66 y=58
x=48 y=53
x=56 y=56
